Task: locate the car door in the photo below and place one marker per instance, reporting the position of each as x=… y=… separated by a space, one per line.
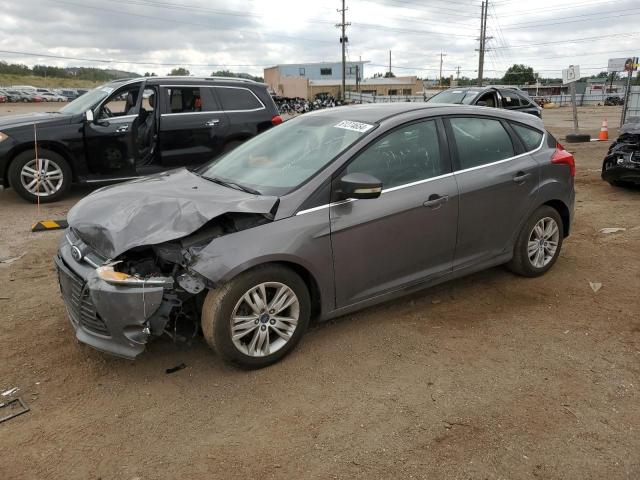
x=244 y=110
x=497 y=184
x=407 y=235
x=192 y=126
x=108 y=142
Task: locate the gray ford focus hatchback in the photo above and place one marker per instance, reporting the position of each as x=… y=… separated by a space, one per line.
x=323 y=215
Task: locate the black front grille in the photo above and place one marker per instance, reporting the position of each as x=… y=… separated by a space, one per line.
x=79 y=303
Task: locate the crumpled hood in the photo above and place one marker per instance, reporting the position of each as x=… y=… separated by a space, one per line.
x=156 y=209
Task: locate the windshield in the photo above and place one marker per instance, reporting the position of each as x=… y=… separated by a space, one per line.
x=282 y=158
x=87 y=101
x=454 y=96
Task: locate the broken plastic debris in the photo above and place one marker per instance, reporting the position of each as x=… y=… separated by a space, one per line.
x=595 y=286
x=612 y=230
x=176 y=368
x=11 y=391
x=9 y=260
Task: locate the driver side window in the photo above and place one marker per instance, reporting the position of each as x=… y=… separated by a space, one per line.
x=122 y=102
x=408 y=154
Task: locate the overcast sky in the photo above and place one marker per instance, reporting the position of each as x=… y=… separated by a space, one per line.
x=247 y=35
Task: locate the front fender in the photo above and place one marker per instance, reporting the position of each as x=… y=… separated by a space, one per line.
x=302 y=240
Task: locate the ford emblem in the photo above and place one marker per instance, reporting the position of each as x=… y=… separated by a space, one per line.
x=76 y=253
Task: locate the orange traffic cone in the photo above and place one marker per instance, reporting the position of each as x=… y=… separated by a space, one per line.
x=604 y=131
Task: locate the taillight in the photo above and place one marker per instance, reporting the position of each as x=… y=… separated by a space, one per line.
x=276 y=120
x=562 y=157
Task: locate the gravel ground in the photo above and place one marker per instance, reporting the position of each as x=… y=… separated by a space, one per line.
x=488 y=377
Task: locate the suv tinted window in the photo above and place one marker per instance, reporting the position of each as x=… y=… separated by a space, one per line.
x=408 y=154
x=480 y=141
x=184 y=99
x=529 y=136
x=237 y=99
x=510 y=99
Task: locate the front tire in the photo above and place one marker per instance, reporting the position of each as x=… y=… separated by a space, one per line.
x=538 y=244
x=49 y=183
x=257 y=318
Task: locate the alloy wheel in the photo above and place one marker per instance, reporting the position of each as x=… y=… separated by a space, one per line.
x=543 y=242
x=264 y=319
x=42 y=177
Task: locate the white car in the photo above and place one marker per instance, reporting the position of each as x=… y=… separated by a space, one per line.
x=52 y=97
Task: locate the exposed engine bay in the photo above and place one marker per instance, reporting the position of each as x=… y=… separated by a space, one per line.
x=621 y=165
x=167 y=265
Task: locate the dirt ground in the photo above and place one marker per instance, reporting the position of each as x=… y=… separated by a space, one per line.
x=489 y=377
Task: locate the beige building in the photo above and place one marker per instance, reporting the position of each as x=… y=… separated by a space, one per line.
x=304 y=87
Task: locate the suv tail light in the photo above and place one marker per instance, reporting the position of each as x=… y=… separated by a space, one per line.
x=562 y=157
x=276 y=120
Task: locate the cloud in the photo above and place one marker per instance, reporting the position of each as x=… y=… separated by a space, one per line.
x=247 y=35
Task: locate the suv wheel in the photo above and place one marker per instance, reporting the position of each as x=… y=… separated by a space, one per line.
x=47 y=178
x=258 y=317
x=539 y=242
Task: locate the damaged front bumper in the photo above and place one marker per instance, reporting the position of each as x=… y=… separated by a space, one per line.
x=114 y=319
x=622 y=169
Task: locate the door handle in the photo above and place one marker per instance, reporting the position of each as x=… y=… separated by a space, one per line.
x=212 y=123
x=122 y=129
x=520 y=177
x=435 y=201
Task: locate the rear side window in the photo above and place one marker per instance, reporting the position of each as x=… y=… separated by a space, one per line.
x=238 y=99
x=184 y=99
x=480 y=141
x=529 y=136
x=510 y=100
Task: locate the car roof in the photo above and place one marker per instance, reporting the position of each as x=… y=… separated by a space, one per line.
x=189 y=80
x=379 y=112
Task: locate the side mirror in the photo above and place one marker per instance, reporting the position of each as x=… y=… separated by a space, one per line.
x=88 y=115
x=481 y=103
x=360 y=185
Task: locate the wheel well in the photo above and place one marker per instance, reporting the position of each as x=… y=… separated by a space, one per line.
x=310 y=282
x=45 y=145
x=563 y=210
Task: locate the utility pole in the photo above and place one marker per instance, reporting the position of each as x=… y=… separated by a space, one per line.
x=483 y=39
x=343 y=40
x=458 y=74
x=441 y=56
x=389 y=63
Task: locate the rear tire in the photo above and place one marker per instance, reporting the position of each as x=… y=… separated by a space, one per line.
x=58 y=176
x=226 y=306
x=532 y=254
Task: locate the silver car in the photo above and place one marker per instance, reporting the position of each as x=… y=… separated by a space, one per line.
x=323 y=215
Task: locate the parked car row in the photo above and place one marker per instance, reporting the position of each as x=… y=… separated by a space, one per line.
x=32 y=94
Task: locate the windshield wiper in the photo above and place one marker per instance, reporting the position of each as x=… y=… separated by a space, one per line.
x=233 y=185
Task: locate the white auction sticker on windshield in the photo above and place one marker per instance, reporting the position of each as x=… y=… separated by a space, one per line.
x=355 y=126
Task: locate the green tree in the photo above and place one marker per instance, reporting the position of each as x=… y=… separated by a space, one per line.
x=179 y=72
x=519 y=74
x=389 y=75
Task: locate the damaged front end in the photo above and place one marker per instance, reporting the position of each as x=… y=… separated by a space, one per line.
x=117 y=298
x=622 y=163
x=117 y=305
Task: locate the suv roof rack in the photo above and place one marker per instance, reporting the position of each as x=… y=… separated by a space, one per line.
x=176 y=77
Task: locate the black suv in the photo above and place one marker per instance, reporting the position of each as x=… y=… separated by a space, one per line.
x=497 y=97
x=128 y=128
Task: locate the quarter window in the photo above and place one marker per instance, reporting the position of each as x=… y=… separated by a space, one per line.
x=480 y=141
x=238 y=99
x=408 y=154
x=185 y=99
x=529 y=136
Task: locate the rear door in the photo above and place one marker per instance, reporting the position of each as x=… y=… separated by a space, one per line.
x=247 y=114
x=497 y=183
x=192 y=126
x=408 y=234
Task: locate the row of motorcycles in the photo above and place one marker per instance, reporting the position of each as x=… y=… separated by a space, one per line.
x=298 y=105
